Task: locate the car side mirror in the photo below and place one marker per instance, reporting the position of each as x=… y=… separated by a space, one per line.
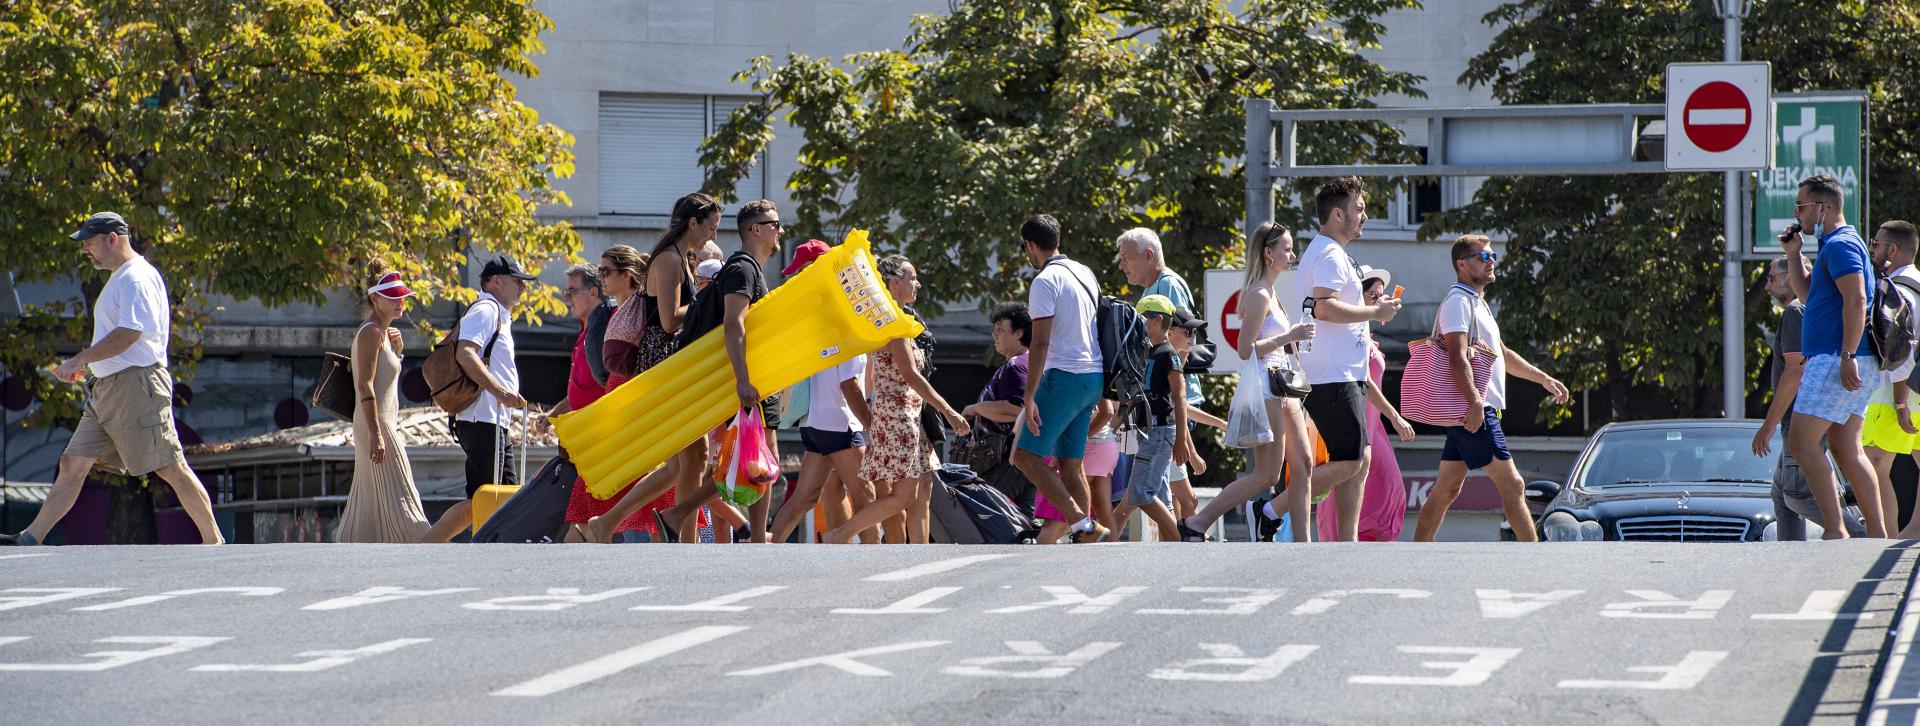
x=1542 y=491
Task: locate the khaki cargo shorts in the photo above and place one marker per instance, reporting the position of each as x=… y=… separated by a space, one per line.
x=128 y=424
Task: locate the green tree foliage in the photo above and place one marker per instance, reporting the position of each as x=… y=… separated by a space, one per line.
x=1621 y=275
x=269 y=149
x=1108 y=115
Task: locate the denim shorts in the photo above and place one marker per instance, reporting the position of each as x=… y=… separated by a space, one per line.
x=1065 y=401
x=1152 y=467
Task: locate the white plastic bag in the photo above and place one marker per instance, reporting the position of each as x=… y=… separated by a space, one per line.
x=1247 y=424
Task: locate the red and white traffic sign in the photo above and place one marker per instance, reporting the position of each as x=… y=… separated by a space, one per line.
x=1221 y=298
x=1719 y=116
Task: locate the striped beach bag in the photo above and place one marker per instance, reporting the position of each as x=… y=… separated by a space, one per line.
x=1428 y=393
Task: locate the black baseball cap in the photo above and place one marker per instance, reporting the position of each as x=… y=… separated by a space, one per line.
x=504 y=265
x=100 y=223
x=1184 y=318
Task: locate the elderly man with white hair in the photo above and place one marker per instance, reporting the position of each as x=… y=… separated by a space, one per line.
x=1144 y=262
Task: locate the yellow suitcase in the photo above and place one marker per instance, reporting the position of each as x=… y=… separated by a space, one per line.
x=488 y=500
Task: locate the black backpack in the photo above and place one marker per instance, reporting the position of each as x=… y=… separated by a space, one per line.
x=1890 y=331
x=1122 y=336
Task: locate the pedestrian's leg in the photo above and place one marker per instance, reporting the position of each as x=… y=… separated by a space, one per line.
x=1267 y=460
x=1167 y=529
x=920 y=510
x=1053 y=531
x=1185 y=502
x=1296 y=450
x=193 y=499
x=1804 y=440
x=1788 y=525
x=1118 y=525
x=1073 y=473
x=893 y=500
x=813 y=475
x=1513 y=498
x=451 y=523
x=1844 y=444
x=1912 y=530
x=1882 y=463
x=1351 y=496
x=1446 y=487
x=60 y=499
x=1100 y=498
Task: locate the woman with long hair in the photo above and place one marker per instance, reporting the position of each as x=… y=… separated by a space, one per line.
x=1269 y=253
x=383 y=505
x=664 y=297
x=898 y=454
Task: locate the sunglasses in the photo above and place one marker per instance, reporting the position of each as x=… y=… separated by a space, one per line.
x=1481 y=256
x=772 y=223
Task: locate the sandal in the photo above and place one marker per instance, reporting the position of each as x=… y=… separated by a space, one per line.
x=1189 y=534
x=667 y=533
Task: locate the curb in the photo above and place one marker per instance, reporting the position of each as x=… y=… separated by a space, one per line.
x=1901 y=665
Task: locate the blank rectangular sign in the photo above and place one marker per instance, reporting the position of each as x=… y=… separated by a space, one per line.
x=1533 y=141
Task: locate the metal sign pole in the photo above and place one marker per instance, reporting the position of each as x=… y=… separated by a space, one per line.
x=1733 y=290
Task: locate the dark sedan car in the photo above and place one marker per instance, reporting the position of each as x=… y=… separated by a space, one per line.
x=1665 y=481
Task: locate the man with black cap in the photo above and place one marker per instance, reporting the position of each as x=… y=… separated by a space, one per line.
x=128 y=421
x=486 y=355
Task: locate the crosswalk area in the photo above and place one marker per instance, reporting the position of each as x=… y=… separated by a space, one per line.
x=806 y=634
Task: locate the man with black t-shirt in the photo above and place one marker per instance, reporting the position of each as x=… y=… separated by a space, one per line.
x=723 y=304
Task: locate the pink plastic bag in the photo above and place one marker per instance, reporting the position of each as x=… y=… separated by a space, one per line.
x=748 y=467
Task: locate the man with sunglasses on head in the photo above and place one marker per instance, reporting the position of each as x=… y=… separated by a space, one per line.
x=1465 y=321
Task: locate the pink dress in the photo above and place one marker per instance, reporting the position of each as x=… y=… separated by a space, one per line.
x=1384 y=510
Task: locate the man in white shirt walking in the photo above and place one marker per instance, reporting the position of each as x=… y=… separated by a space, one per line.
x=486 y=355
x=1335 y=360
x=1888 y=430
x=1067 y=376
x=1478 y=442
x=128 y=422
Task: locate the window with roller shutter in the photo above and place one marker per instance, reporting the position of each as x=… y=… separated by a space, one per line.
x=650 y=151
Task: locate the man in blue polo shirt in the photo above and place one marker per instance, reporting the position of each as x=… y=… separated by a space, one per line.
x=1839 y=373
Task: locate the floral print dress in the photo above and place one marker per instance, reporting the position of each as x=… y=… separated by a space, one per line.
x=896 y=449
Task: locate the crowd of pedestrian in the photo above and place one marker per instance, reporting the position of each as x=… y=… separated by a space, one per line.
x=1060 y=438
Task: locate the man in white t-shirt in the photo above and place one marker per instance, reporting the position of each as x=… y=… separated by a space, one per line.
x=1066 y=379
x=1888 y=430
x=128 y=421
x=486 y=355
x=1465 y=320
x=1335 y=361
x=834 y=436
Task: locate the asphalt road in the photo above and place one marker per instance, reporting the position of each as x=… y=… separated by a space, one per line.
x=1220 y=633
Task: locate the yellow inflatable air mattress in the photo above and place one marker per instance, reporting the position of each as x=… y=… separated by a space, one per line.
x=830 y=312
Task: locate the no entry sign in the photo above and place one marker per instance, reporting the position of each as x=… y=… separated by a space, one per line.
x=1719 y=116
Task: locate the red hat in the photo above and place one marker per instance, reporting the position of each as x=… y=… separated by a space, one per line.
x=804 y=255
x=391 y=287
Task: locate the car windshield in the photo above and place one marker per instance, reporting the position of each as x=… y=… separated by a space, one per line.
x=1634 y=457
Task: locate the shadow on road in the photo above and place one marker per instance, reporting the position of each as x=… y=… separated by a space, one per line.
x=1856 y=643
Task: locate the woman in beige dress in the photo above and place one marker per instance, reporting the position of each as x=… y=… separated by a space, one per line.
x=383 y=505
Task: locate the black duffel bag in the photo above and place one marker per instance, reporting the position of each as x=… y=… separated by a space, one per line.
x=537 y=513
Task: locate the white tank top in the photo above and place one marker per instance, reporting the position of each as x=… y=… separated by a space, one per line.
x=1275 y=324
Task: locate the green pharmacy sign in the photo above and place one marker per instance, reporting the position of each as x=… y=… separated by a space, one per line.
x=1813 y=135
